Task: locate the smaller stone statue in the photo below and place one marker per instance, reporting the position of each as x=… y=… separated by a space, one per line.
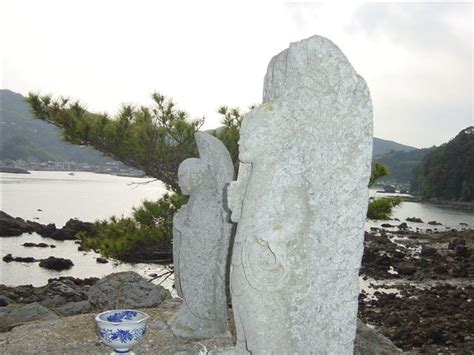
x=201 y=233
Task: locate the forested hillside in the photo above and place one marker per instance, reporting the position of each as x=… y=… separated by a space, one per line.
x=447 y=172
x=401 y=165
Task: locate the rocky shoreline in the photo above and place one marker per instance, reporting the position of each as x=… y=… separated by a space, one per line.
x=423 y=288
x=420 y=294
x=15 y=226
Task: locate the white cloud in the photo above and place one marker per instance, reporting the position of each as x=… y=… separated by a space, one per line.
x=417 y=59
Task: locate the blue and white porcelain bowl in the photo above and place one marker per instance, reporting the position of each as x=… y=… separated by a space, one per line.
x=121 y=328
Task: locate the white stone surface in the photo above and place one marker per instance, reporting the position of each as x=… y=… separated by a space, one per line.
x=300 y=202
x=201 y=233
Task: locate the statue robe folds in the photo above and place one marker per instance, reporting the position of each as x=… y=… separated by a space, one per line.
x=300 y=201
x=201 y=233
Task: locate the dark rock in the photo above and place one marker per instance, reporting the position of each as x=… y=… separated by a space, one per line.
x=69 y=231
x=403 y=225
x=74 y=226
x=455 y=242
x=461 y=251
x=464 y=224
x=434 y=223
x=57 y=264
x=57 y=292
x=389 y=189
x=428 y=251
x=5 y=301
x=44 y=230
x=126 y=290
x=406 y=269
x=8 y=258
x=387 y=225
x=101 y=260
x=37 y=245
x=11 y=227
x=414 y=220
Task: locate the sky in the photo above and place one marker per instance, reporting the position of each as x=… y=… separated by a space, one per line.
x=417 y=58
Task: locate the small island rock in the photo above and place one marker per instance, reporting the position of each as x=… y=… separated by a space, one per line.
x=57 y=264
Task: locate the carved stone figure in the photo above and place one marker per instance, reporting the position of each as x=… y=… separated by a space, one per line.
x=201 y=233
x=300 y=202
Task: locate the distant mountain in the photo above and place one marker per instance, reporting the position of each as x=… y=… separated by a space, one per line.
x=382 y=146
x=26 y=138
x=447 y=172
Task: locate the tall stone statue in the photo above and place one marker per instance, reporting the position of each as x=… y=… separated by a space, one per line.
x=300 y=202
x=201 y=233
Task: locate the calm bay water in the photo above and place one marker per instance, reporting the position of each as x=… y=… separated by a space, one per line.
x=449 y=216
x=90 y=196
x=60 y=196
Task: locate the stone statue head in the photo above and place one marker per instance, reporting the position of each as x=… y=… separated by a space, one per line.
x=193 y=174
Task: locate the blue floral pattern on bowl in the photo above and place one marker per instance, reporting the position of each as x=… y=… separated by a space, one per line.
x=121 y=329
x=120 y=316
x=122 y=335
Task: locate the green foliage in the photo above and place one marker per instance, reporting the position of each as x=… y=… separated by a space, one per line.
x=229 y=134
x=382 y=208
x=146 y=236
x=447 y=172
x=154 y=139
x=378 y=171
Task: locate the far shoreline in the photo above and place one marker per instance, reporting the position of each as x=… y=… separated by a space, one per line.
x=24 y=171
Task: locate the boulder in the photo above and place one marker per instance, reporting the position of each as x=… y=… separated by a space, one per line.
x=455 y=242
x=9 y=258
x=101 y=260
x=369 y=341
x=57 y=264
x=68 y=232
x=403 y=225
x=5 y=301
x=73 y=308
x=16 y=314
x=57 y=292
x=11 y=227
x=37 y=245
x=126 y=290
x=461 y=251
x=414 y=220
x=46 y=231
x=428 y=251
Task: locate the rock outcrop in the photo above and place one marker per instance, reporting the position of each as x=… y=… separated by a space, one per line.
x=126 y=290
x=67 y=335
